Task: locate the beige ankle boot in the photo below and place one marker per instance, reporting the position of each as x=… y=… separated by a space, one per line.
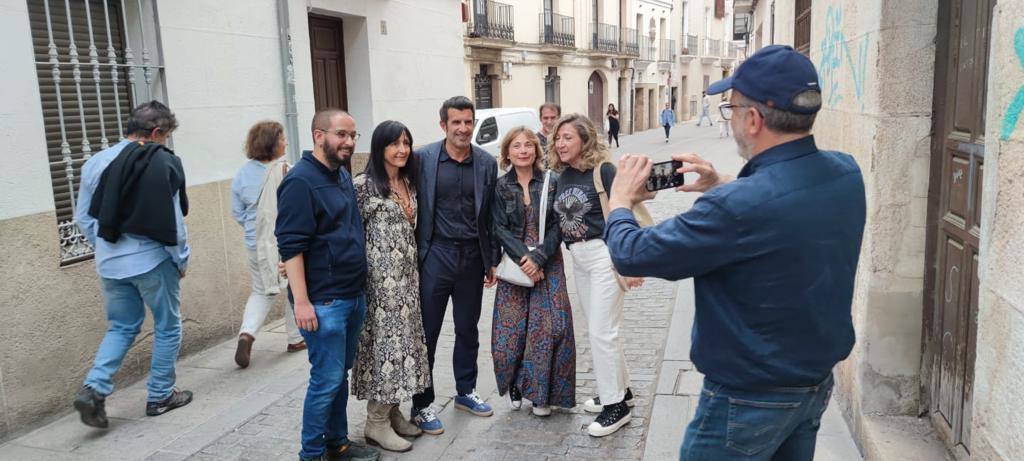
x=378 y=429
x=402 y=426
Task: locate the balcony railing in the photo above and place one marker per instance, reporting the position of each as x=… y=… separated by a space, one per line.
x=712 y=47
x=495 y=21
x=557 y=29
x=604 y=37
x=648 y=49
x=629 y=43
x=667 y=50
x=690 y=44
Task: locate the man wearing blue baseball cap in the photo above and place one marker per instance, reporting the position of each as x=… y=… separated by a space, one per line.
x=773 y=254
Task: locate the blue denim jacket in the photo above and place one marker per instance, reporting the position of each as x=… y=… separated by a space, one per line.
x=132 y=254
x=773 y=256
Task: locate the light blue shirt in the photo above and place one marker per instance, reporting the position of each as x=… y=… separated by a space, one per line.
x=132 y=254
x=668 y=117
x=245 y=191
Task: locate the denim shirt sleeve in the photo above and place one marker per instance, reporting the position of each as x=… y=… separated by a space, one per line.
x=237 y=204
x=86 y=223
x=690 y=244
x=296 y=223
x=180 y=252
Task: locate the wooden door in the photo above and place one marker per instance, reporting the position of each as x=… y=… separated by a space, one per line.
x=328 y=54
x=958 y=166
x=595 y=101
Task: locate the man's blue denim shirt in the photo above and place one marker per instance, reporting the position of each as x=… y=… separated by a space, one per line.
x=773 y=255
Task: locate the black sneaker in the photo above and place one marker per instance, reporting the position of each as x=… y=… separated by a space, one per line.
x=594 y=405
x=610 y=420
x=515 y=397
x=175 y=400
x=352 y=451
x=90 y=406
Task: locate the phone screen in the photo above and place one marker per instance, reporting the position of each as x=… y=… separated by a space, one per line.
x=664 y=176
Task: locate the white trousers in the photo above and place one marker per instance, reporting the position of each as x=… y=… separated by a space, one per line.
x=258 y=305
x=601 y=302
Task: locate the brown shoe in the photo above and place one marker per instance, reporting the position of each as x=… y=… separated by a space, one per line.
x=244 y=350
x=299 y=346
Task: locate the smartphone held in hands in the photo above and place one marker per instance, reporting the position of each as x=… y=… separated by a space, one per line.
x=664 y=176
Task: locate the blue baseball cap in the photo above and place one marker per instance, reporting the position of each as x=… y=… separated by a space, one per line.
x=773 y=76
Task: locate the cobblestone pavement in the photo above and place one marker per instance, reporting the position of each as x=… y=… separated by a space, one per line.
x=255 y=414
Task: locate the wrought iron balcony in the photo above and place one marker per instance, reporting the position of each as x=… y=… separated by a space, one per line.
x=690 y=45
x=496 y=21
x=629 y=43
x=604 y=37
x=557 y=30
x=712 y=47
x=648 y=50
x=667 y=50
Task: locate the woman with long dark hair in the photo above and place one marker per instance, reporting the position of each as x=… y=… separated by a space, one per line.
x=613 y=125
x=391 y=360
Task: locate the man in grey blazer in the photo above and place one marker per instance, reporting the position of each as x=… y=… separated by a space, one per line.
x=456 y=254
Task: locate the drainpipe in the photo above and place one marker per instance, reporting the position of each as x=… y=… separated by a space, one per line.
x=291 y=116
x=632 y=102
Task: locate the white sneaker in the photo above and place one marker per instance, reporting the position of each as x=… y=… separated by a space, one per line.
x=541 y=411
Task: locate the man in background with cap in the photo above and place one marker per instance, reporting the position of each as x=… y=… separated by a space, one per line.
x=773 y=254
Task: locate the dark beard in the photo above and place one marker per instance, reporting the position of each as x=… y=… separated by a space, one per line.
x=331 y=154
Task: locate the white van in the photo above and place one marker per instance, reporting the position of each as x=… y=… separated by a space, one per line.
x=492 y=124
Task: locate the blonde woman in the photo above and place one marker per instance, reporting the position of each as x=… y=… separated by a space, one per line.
x=532 y=342
x=576 y=152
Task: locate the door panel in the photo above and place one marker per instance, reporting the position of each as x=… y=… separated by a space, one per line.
x=328 y=55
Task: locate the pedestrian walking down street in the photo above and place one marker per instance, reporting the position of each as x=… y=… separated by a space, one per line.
x=131 y=208
x=724 y=112
x=455 y=251
x=705 y=109
x=532 y=341
x=582 y=160
x=254 y=207
x=668 y=118
x=773 y=295
x=320 y=238
x=391 y=362
x=613 y=125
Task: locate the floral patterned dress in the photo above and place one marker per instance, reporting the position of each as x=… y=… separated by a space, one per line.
x=532 y=341
x=391 y=361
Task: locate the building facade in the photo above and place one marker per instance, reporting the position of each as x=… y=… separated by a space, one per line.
x=75 y=69
x=709 y=50
x=927 y=96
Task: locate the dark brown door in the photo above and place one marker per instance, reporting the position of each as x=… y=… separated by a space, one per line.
x=328 y=54
x=595 y=101
x=483 y=89
x=958 y=165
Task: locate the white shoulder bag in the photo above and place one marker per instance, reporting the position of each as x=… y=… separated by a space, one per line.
x=509 y=270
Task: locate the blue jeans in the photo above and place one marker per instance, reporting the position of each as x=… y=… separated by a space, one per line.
x=332 y=351
x=777 y=424
x=125 y=306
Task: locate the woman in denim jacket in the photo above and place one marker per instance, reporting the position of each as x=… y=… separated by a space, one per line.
x=532 y=338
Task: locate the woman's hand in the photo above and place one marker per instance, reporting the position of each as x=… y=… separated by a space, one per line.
x=531 y=269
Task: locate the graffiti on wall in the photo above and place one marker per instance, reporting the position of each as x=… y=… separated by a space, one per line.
x=1017 y=105
x=838 y=61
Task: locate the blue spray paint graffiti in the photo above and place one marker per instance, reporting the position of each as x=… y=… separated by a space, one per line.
x=835 y=51
x=1015 y=108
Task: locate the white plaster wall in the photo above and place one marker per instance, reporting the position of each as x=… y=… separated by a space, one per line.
x=526 y=86
x=223 y=73
x=999 y=368
x=25 y=178
x=396 y=76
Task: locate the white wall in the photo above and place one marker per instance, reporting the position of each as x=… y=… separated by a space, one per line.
x=25 y=176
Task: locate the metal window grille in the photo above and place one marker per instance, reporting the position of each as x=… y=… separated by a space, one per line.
x=95 y=59
x=802 y=27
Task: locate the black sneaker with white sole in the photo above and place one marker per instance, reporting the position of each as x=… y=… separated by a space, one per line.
x=594 y=405
x=175 y=400
x=610 y=420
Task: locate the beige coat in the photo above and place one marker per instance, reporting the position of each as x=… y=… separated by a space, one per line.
x=267 y=255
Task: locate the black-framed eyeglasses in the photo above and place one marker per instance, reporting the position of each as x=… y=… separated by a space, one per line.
x=726 y=109
x=342 y=134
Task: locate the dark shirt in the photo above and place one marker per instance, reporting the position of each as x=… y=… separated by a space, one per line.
x=509 y=214
x=317 y=217
x=455 y=212
x=578 y=205
x=773 y=255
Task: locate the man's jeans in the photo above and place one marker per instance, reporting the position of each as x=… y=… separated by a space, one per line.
x=125 y=305
x=332 y=351
x=776 y=424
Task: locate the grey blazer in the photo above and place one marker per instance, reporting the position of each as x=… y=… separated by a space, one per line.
x=485 y=174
